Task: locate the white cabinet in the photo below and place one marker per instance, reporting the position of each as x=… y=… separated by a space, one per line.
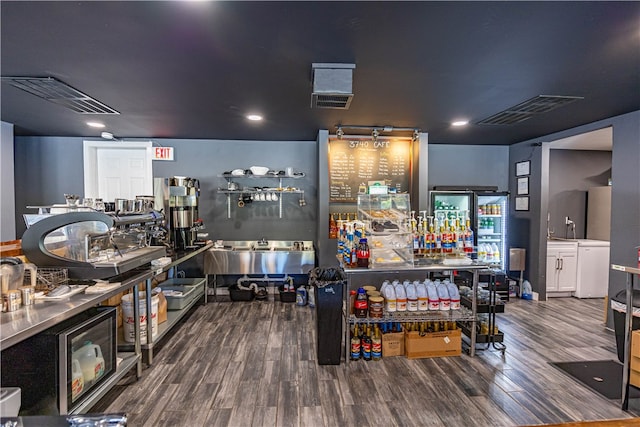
x=562 y=265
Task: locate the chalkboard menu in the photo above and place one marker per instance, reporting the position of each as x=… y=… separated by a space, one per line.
x=355 y=161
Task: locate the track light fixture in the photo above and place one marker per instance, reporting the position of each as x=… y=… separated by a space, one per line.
x=376 y=130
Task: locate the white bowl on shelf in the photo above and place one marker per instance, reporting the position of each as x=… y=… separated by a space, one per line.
x=259 y=170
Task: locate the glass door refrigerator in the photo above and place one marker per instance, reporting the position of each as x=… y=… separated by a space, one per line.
x=451 y=205
x=491 y=228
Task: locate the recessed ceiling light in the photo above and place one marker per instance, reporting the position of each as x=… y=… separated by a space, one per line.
x=460 y=123
x=95 y=124
x=254 y=117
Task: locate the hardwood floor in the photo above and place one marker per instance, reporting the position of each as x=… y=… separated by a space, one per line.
x=253 y=364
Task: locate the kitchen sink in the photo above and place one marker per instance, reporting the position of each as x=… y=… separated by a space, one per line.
x=260 y=257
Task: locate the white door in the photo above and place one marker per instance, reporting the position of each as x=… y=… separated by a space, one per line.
x=122 y=173
x=120 y=170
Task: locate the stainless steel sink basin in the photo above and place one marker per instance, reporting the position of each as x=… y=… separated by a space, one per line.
x=260 y=257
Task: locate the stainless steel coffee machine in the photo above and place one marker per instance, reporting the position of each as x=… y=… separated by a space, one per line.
x=179 y=197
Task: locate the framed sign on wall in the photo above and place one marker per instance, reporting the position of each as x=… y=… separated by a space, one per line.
x=523 y=168
x=523 y=186
x=522 y=203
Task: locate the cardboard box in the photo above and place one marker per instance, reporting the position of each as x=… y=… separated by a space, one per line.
x=162 y=308
x=635 y=343
x=114 y=301
x=434 y=344
x=393 y=344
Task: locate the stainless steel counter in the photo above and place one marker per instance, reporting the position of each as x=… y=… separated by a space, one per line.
x=260 y=257
x=16 y=326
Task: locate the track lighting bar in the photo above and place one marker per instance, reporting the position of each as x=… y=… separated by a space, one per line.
x=375 y=130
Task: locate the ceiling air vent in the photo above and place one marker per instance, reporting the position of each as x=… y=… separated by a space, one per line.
x=60 y=93
x=529 y=108
x=332 y=85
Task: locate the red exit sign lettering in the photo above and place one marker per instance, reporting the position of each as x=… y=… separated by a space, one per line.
x=162 y=153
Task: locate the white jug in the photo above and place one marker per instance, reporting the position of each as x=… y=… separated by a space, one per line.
x=91 y=361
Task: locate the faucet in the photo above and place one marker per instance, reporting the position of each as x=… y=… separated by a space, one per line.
x=263 y=242
x=549 y=230
x=570 y=225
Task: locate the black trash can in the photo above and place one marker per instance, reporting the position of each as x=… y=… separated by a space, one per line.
x=329 y=322
x=619 y=318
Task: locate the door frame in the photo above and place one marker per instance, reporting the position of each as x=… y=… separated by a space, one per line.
x=90 y=161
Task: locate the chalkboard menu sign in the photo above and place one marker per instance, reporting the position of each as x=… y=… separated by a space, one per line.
x=354 y=161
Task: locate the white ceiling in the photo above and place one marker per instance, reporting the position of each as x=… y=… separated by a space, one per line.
x=599 y=140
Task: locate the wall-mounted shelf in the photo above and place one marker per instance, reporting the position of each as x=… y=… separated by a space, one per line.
x=255 y=194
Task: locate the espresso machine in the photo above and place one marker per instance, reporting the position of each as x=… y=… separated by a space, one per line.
x=179 y=197
x=95 y=245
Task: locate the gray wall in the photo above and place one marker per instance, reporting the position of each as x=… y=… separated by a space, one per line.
x=477 y=165
x=7 y=191
x=529 y=228
x=48 y=167
x=571 y=174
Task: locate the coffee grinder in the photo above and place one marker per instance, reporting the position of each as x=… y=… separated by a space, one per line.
x=179 y=196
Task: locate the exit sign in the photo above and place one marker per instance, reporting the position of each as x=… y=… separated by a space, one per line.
x=162 y=153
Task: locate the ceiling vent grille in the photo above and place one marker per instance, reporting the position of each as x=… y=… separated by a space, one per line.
x=60 y=93
x=332 y=85
x=529 y=108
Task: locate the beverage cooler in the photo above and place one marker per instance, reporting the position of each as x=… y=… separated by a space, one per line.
x=61 y=368
x=487 y=213
x=491 y=228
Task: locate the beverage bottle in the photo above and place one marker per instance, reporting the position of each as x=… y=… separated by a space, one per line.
x=401 y=298
x=468 y=238
x=459 y=240
x=352 y=301
x=363 y=253
x=355 y=344
x=311 y=297
x=333 y=227
x=444 y=236
x=376 y=344
x=361 y=306
x=365 y=344
x=438 y=241
x=482 y=252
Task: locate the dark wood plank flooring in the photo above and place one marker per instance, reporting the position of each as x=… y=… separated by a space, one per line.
x=253 y=364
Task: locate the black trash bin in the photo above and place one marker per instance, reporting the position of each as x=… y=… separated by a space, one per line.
x=619 y=318
x=329 y=322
